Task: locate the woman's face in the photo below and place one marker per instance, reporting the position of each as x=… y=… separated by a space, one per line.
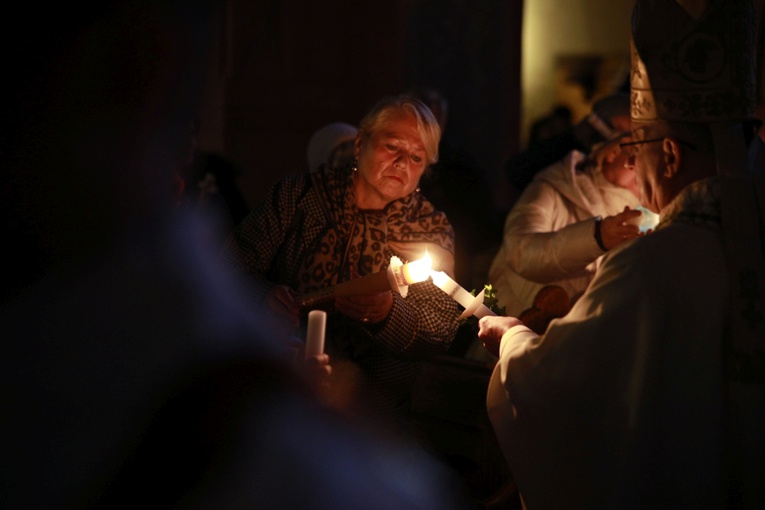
x=390 y=162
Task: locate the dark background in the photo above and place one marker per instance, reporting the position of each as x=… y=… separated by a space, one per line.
x=283 y=69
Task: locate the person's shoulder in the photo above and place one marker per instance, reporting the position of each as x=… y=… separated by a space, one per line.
x=561 y=169
x=423 y=213
x=329 y=177
x=291 y=186
x=550 y=182
x=560 y=178
x=420 y=205
x=295 y=180
x=667 y=250
x=435 y=217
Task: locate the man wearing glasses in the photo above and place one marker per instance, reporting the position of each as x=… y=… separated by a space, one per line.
x=650 y=393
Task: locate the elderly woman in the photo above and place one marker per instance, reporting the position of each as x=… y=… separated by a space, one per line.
x=321 y=228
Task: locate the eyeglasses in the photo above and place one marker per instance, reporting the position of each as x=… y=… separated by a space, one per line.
x=631 y=150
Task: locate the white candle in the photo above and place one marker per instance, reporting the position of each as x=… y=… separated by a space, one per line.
x=418 y=270
x=444 y=282
x=468 y=301
x=314 y=340
x=401 y=275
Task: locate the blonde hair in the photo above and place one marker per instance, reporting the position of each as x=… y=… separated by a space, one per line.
x=389 y=107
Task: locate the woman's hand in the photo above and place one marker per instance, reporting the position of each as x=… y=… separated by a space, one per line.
x=492 y=327
x=369 y=309
x=614 y=230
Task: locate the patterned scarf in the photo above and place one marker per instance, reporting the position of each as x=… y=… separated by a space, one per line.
x=365 y=240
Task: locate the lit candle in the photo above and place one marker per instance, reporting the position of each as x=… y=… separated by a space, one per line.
x=400 y=276
x=473 y=304
x=314 y=339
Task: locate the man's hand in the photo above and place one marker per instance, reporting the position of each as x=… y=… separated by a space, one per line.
x=491 y=329
x=614 y=230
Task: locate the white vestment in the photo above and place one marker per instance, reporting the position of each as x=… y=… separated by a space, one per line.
x=621 y=404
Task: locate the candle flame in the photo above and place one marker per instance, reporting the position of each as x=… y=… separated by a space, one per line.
x=418 y=270
x=439 y=278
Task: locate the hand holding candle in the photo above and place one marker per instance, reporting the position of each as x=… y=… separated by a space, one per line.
x=366 y=308
x=396 y=277
x=315 y=366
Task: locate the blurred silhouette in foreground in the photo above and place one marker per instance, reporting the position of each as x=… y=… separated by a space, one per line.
x=213 y=188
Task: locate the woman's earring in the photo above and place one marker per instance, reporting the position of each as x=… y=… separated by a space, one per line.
x=354 y=168
x=417 y=189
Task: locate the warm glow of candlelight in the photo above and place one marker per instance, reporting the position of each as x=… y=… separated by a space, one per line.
x=402 y=275
x=446 y=284
x=418 y=270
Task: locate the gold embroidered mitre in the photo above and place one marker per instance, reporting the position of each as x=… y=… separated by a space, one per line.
x=692 y=60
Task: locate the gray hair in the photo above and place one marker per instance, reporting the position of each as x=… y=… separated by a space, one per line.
x=389 y=107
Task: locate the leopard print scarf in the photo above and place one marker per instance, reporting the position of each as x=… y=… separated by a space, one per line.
x=364 y=240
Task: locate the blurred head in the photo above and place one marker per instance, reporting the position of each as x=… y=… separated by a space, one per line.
x=332 y=145
x=615 y=111
x=611 y=160
x=610 y=116
x=435 y=101
x=397 y=141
